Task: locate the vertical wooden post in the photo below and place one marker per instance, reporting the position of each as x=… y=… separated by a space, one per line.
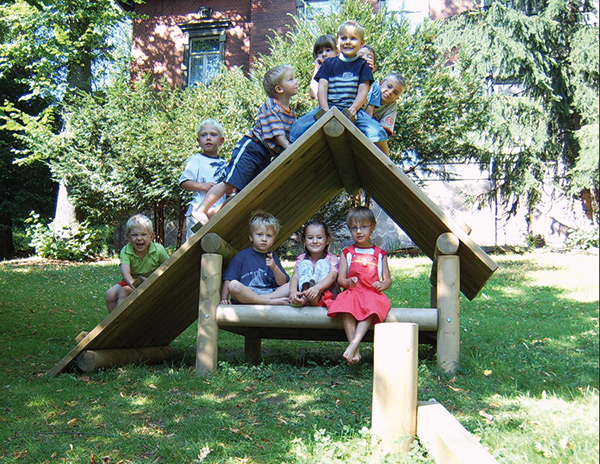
x=207 y=340
x=448 y=293
x=395 y=361
x=252 y=347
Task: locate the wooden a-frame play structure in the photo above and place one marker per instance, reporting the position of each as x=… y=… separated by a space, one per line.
x=330 y=157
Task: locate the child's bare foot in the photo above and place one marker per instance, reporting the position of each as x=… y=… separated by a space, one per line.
x=284 y=301
x=351 y=355
x=356 y=358
x=201 y=217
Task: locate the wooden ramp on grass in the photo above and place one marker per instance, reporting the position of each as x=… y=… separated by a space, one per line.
x=330 y=157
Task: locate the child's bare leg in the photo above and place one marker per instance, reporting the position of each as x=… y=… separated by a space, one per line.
x=352 y=353
x=112 y=297
x=124 y=292
x=217 y=191
x=245 y=295
x=350 y=324
x=383 y=146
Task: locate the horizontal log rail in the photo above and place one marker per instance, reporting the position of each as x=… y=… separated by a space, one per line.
x=309 y=317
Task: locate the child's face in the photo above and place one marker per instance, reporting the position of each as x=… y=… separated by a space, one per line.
x=369 y=57
x=390 y=91
x=262 y=238
x=140 y=239
x=210 y=139
x=325 y=53
x=315 y=239
x=289 y=84
x=361 y=232
x=349 y=42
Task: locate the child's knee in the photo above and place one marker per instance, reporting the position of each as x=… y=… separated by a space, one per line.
x=235 y=286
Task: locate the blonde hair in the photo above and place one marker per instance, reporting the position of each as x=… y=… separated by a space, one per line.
x=273 y=78
x=360 y=31
x=139 y=220
x=361 y=214
x=211 y=122
x=260 y=218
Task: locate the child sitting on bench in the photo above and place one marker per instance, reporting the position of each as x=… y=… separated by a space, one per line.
x=255 y=275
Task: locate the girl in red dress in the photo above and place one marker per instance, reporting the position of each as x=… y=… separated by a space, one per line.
x=364 y=274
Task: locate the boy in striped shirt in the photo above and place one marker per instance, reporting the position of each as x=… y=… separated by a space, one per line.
x=344 y=82
x=267 y=139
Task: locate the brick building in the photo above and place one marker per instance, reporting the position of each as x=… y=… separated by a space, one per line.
x=183 y=41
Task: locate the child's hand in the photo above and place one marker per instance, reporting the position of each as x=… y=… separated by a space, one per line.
x=353 y=281
x=311 y=293
x=297 y=298
x=377 y=286
x=270 y=262
x=226 y=302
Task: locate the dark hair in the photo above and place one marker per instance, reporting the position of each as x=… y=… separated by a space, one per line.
x=325 y=41
x=315 y=222
x=372 y=50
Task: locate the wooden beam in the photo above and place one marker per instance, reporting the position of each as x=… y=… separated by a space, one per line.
x=311 y=317
x=341 y=153
x=213 y=243
x=448 y=294
x=446 y=439
x=89 y=360
x=207 y=338
x=394 y=410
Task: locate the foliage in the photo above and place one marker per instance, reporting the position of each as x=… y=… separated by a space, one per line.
x=125 y=147
x=528 y=392
x=47 y=49
x=121 y=147
x=82 y=244
x=545 y=111
x=584 y=239
x=58 y=42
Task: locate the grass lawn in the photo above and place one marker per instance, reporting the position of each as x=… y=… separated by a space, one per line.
x=527 y=386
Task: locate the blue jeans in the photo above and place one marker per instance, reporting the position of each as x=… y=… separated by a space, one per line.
x=365 y=123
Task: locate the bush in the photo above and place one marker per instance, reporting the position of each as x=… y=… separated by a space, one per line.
x=83 y=243
x=583 y=239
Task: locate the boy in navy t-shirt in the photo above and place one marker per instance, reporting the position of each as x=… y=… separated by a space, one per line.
x=255 y=275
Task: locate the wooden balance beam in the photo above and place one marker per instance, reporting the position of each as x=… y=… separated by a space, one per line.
x=256 y=322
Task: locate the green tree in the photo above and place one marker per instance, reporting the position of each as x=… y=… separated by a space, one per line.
x=546 y=53
x=48 y=49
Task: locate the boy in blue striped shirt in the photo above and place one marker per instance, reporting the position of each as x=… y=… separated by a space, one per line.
x=267 y=139
x=344 y=82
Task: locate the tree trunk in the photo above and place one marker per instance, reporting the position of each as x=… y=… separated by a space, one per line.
x=7 y=246
x=64 y=214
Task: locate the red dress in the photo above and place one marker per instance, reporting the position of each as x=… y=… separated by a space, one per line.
x=363 y=300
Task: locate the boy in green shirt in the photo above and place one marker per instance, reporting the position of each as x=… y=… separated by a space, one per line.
x=139 y=258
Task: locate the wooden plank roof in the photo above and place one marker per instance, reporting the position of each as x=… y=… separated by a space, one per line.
x=329 y=157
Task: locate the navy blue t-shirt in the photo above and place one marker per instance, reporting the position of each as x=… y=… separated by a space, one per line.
x=249 y=268
x=343 y=77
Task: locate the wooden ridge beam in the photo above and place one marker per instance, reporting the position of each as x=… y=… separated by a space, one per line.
x=342 y=155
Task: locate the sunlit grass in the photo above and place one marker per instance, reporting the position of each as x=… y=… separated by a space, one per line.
x=527 y=386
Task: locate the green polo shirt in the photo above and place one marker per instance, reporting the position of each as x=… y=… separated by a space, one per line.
x=154 y=257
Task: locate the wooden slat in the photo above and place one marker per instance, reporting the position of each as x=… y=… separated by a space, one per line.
x=446 y=440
